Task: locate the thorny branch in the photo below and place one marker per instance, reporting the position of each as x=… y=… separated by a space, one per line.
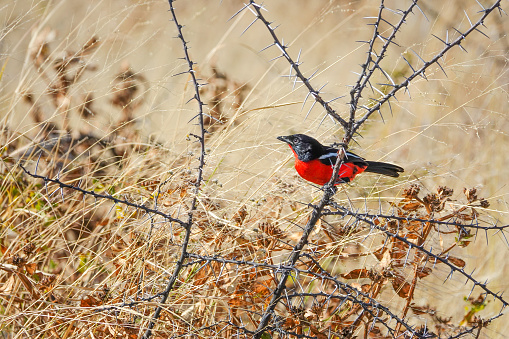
x=353 y=125
x=368 y=310
x=201 y=138
x=420 y=71
x=370 y=221
x=372 y=216
x=365 y=75
x=62 y=185
x=351 y=294
x=295 y=65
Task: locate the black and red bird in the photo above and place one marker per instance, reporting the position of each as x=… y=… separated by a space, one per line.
x=315 y=162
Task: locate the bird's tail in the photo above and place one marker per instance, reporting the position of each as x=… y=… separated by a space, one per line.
x=384 y=168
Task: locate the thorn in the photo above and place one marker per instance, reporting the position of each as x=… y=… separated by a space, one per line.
x=482 y=33
x=442 y=69
x=249 y=26
x=252 y=11
x=449 y=275
x=294 y=84
x=387 y=40
x=312 y=105
x=196 y=116
x=483 y=9
x=188 y=101
x=298 y=56
x=470 y=22
x=418 y=56
x=445 y=43
x=263 y=49
x=321 y=121
x=37 y=164
x=408 y=91
x=381 y=116
x=275 y=58
x=174 y=75
x=305 y=99
x=259 y=6
x=336 y=98
x=320 y=89
x=408 y=63
x=388 y=23
x=379 y=91
x=387 y=76
x=51 y=194
x=472 y=290
x=240 y=10
x=312 y=75
x=282 y=46
x=407 y=255
x=420 y=10
x=399 y=12
x=503 y=234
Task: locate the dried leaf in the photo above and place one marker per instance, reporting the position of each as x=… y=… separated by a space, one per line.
x=28 y=285
x=412 y=191
x=90 y=301
x=240 y=216
x=401 y=287
x=415 y=226
x=317 y=332
x=237 y=300
x=202 y=276
x=418 y=310
x=412 y=206
x=386 y=259
x=464 y=216
x=424 y=272
x=356 y=274
x=30 y=268
x=261 y=290
x=366 y=288
x=444 y=191
x=399 y=249
x=379 y=254
x=8 y=285
x=457 y=262
x=471 y=194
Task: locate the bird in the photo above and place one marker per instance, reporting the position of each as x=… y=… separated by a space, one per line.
x=315 y=162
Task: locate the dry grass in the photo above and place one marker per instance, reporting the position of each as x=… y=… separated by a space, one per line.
x=101 y=72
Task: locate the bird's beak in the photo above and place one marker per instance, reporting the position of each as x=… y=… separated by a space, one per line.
x=285 y=139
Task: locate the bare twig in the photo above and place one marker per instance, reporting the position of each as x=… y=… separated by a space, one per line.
x=201 y=138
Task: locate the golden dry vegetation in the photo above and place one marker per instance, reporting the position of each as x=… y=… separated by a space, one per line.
x=89 y=97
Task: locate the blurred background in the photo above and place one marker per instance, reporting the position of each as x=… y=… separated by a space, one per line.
x=448 y=129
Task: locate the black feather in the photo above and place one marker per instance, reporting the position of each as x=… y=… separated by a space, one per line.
x=384 y=168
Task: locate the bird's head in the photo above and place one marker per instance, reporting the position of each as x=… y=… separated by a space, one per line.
x=304 y=147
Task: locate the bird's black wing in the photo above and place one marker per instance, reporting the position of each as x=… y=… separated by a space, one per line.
x=330 y=155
